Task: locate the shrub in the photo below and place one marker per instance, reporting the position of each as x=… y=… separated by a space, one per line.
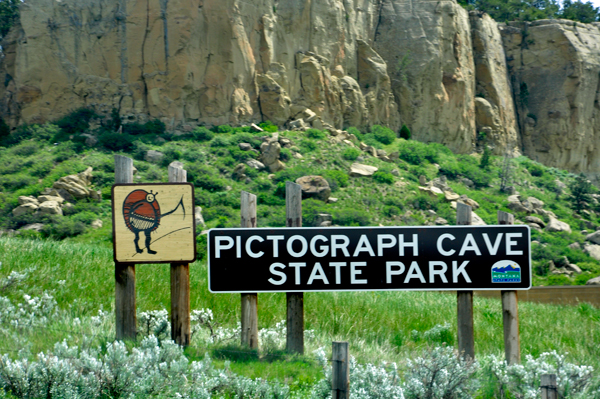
x=285 y=155
x=223 y=129
x=351 y=217
x=450 y=169
x=486 y=160
x=15 y=182
x=202 y=134
x=219 y=141
x=581 y=190
x=77 y=121
x=351 y=153
x=391 y=210
x=310 y=210
x=214 y=212
x=416 y=153
x=308 y=146
x=114 y=141
x=336 y=178
x=383 y=177
x=26 y=148
x=316 y=134
x=405 y=132
x=41 y=168
x=383 y=134
x=210 y=182
x=424 y=202
x=154 y=127
x=355 y=131
x=61 y=228
x=268 y=127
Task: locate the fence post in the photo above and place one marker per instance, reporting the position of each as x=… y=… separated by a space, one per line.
x=464 y=299
x=295 y=300
x=340 y=374
x=510 y=311
x=249 y=301
x=548 y=385
x=180 y=283
x=125 y=316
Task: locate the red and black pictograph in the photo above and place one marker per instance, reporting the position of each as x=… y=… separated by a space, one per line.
x=141 y=212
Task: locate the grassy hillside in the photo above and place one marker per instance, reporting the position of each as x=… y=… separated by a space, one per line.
x=33 y=157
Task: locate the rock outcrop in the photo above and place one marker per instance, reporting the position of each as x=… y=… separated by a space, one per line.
x=555 y=69
x=189 y=62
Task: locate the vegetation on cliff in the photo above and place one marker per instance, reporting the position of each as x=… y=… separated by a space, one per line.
x=523 y=10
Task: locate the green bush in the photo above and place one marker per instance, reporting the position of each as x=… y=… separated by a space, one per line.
x=61 y=228
x=285 y=155
x=405 y=132
x=223 y=129
x=416 y=153
x=202 y=134
x=77 y=121
x=308 y=146
x=383 y=177
x=41 y=168
x=336 y=178
x=114 y=141
x=383 y=134
x=424 y=202
x=213 y=213
x=220 y=141
x=316 y=134
x=15 y=182
x=351 y=217
x=355 y=131
x=268 y=127
x=310 y=210
x=450 y=169
x=559 y=279
x=210 y=182
x=26 y=148
x=391 y=210
x=351 y=153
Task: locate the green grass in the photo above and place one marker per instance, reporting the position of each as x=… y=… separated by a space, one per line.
x=378 y=325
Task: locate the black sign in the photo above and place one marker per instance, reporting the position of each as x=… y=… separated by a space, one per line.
x=369 y=259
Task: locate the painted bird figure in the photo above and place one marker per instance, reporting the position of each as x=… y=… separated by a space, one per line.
x=142 y=214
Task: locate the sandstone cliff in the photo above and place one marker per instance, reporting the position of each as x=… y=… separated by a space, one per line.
x=447 y=74
x=555 y=69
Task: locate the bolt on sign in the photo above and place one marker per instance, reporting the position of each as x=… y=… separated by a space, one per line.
x=369 y=259
x=153 y=223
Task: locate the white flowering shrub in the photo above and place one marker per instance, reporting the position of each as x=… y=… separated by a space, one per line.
x=151 y=370
x=154 y=322
x=31 y=311
x=523 y=380
x=440 y=374
x=366 y=381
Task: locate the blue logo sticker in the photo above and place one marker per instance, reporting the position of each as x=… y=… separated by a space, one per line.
x=506 y=271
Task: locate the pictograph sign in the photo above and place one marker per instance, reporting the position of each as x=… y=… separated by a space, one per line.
x=369 y=259
x=153 y=223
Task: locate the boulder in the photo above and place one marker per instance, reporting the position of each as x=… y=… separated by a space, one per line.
x=450 y=196
x=593 y=250
x=467 y=182
x=573 y=268
x=468 y=201
x=574 y=245
x=519 y=207
x=33 y=226
x=44 y=198
x=154 y=156
x=441 y=183
x=536 y=220
x=314 y=187
x=441 y=221
x=75 y=185
x=198 y=217
x=28 y=200
x=555 y=225
x=593 y=237
x=535 y=203
x=476 y=220
x=432 y=191
x=96 y=224
x=271 y=151
x=238 y=172
x=535 y=226
x=358 y=169
x=323 y=220
x=593 y=281
x=422 y=180
x=245 y=146
x=25 y=209
x=50 y=208
x=253 y=163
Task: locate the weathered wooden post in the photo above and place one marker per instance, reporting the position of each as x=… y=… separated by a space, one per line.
x=125 y=316
x=340 y=373
x=249 y=301
x=548 y=385
x=295 y=300
x=180 y=283
x=510 y=311
x=466 y=341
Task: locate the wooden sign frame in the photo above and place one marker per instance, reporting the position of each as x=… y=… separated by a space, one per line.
x=144 y=232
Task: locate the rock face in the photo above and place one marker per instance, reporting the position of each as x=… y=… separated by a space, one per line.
x=210 y=62
x=555 y=69
x=531 y=87
x=494 y=106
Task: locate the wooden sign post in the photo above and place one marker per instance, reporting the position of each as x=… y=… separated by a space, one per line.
x=295 y=300
x=466 y=340
x=125 y=316
x=180 y=283
x=249 y=301
x=510 y=311
x=152 y=223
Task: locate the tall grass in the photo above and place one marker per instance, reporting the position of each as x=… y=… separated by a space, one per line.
x=380 y=326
